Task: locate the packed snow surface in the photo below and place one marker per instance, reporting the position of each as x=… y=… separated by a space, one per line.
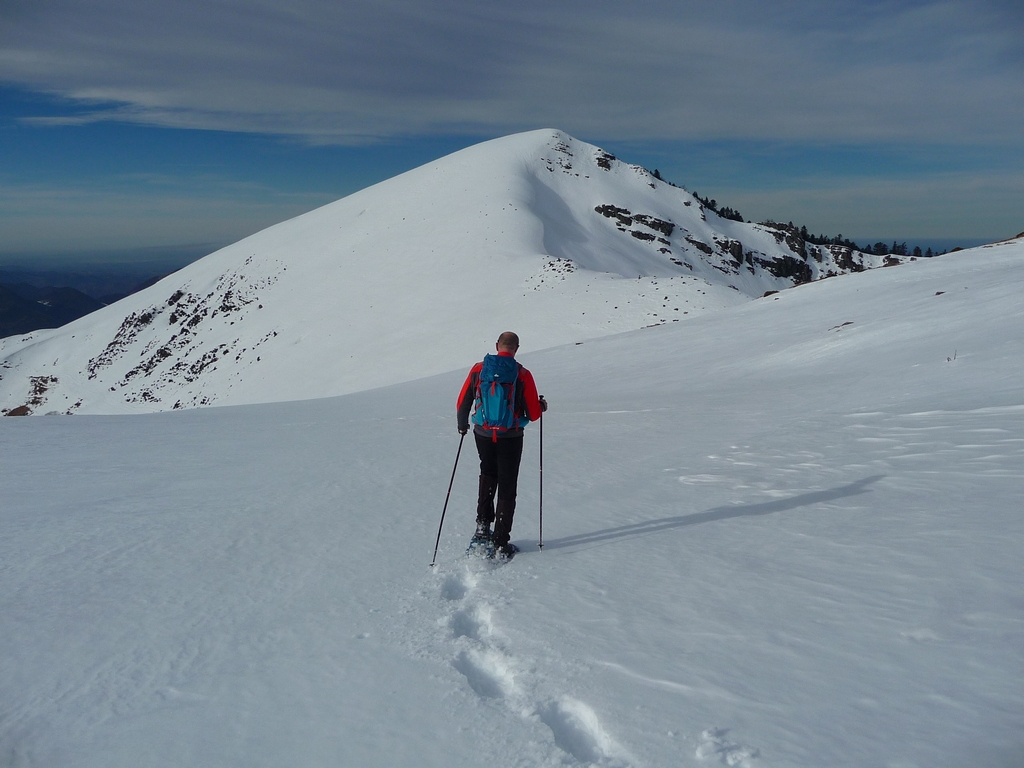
x=538 y=231
x=783 y=534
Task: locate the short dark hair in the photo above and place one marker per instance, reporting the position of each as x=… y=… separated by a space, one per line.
x=508 y=340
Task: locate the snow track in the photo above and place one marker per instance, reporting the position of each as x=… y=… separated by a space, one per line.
x=494 y=672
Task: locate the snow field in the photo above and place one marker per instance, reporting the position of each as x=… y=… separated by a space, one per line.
x=772 y=539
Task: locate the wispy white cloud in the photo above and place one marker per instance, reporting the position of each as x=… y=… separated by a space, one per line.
x=749 y=74
x=845 y=70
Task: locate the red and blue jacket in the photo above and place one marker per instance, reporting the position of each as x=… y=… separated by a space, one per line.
x=527 y=402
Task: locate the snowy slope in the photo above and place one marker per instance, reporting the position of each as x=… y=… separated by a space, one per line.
x=536 y=232
x=786 y=534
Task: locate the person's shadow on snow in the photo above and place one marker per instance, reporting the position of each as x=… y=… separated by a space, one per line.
x=718 y=513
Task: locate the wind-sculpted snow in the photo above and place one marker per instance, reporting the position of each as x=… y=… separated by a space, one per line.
x=537 y=232
x=785 y=534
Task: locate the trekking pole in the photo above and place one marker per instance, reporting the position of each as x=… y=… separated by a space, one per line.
x=450 y=483
x=540 y=543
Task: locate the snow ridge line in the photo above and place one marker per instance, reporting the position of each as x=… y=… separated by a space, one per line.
x=494 y=673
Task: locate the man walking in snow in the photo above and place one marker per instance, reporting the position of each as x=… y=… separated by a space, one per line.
x=503 y=397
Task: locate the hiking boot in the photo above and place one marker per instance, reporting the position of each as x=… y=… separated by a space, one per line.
x=483 y=532
x=505 y=552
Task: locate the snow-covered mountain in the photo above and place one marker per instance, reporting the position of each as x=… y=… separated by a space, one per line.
x=535 y=232
x=782 y=535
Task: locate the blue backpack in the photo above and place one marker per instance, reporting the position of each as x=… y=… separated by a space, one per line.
x=495 y=406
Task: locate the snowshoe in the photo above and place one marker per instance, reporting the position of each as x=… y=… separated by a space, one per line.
x=505 y=552
x=481 y=544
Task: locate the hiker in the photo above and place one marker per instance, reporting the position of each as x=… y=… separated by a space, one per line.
x=505 y=399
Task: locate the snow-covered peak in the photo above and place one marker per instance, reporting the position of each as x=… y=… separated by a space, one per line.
x=536 y=232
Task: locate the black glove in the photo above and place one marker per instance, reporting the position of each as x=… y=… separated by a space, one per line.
x=543 y=404
x=463 y=430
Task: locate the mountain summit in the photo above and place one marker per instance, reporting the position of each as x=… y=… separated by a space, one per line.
x=417 y=275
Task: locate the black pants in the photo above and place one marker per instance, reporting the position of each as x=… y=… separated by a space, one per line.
x=499 y=470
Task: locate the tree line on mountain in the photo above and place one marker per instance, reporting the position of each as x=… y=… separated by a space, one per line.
x=725 y=212
x=878 y=249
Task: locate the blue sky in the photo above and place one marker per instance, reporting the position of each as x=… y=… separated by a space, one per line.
x=128 y=125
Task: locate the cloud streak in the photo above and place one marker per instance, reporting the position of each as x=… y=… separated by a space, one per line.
x=357 y=71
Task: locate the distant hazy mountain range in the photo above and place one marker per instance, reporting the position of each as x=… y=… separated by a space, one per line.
x=25 y=307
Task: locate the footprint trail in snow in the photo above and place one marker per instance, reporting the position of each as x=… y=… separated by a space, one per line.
x=496 y=675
